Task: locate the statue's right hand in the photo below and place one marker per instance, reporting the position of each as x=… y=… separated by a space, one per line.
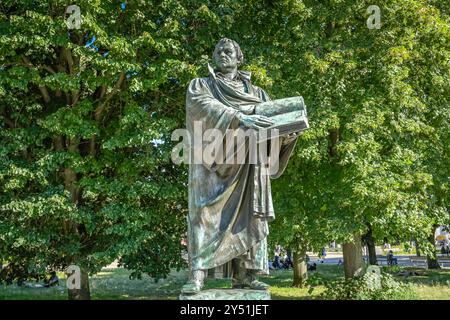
x=254 y=121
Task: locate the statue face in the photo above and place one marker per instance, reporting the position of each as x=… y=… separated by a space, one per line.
x=226 y=57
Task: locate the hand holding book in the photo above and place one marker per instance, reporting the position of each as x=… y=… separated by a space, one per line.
x=288 y=115
x=254 y=121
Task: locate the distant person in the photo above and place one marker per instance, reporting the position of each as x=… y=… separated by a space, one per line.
x=312 y=267
x=276 y=261
x=288 y=263
x=324 y=254
x=278 y=250
x=52 y=281
x=283 y=257
x=391 y=261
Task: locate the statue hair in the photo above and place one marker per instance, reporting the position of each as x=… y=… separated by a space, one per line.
x=239 y=54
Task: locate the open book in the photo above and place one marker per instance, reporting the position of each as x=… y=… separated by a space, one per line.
x=289 y=114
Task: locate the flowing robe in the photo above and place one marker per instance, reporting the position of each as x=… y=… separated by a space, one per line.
x=230 y=205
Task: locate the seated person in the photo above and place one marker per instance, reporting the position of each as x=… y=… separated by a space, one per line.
x=312 y=267
x=390 y=259
x=276 y=263
x=288 y=263
x=52 y=281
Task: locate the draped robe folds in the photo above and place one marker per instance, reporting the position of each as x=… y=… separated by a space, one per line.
x=230 y=205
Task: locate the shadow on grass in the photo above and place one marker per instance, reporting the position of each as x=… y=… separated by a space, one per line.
x=421 y=276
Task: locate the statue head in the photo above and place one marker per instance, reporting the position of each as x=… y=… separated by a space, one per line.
x=227 y=55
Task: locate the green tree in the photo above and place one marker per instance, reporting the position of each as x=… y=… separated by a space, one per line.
x=81 y=183
x=378 y=107
x=83 y=178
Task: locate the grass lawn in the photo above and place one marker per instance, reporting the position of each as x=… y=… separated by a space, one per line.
x=115 y=284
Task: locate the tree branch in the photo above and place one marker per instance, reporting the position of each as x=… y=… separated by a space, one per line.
x=58 y=143
x=67 y=54
x=8 y=121
x=45 y=94
x=102 y=92
x=93 y=146
x=27 y=63
x=42 y=89
x=75 y=97
x=334 y=137
x=48 y=68
x=102 y=105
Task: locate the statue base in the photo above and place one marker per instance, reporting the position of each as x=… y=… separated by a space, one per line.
x=227 y=294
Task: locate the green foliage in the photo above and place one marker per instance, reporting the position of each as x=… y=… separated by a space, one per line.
x=81 y=181
x=367 y=287
x=377 y=151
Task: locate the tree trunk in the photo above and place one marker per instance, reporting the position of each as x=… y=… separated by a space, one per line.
x=300 y=268
x=353 y=258
x=370 y=242
x=372 y=254
x=371 y=249
x=84 y=292
x=432 y=260
x=417 y=248
x=70 y=179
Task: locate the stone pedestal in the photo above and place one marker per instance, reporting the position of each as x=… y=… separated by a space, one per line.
x=228 y=294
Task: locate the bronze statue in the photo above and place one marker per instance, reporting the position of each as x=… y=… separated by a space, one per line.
x=230 y=205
